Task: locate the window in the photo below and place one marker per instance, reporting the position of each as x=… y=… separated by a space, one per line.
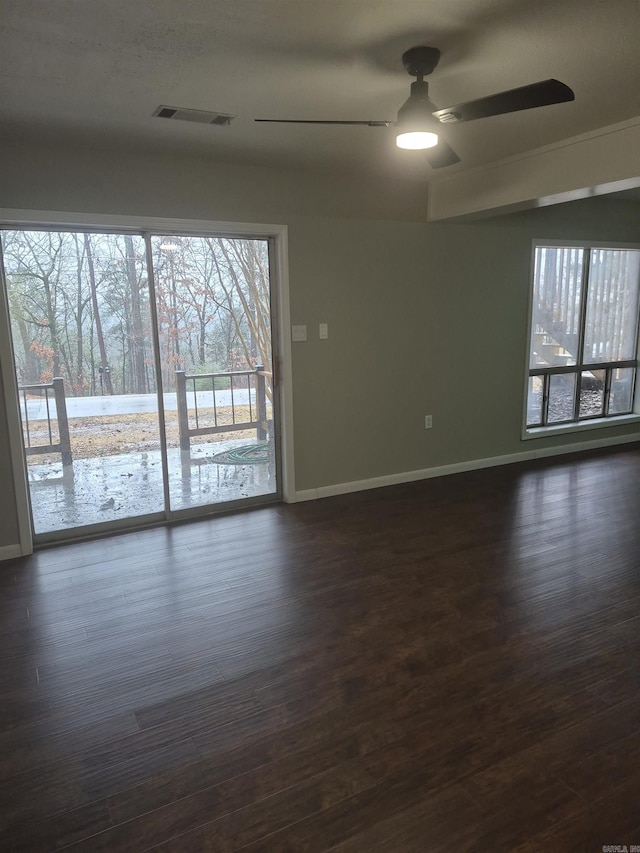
x=583 y=352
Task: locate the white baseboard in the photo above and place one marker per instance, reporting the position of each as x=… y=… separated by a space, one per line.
x=458 y=468
x=10 y=552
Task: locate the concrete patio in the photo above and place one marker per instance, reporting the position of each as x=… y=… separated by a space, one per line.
x=110 y=488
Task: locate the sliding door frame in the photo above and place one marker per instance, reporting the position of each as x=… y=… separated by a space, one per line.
x=16 y=445
x=143 y=227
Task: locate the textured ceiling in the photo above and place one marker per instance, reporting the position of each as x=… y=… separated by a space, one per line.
x=97 y=69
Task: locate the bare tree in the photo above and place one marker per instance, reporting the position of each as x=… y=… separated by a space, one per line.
x=104 y=364
x=137 y=332
x=243 y=273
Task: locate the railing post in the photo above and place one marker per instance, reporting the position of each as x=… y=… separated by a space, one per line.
x=63 y=422
x=26 y=426
x=183 y=413
x=261 y=403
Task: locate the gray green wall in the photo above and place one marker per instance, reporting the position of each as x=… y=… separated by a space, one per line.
x=423 y=318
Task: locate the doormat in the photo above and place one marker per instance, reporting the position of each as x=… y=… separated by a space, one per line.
x=250 y=454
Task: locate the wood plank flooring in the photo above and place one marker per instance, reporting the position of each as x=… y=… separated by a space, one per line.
x=448 y=665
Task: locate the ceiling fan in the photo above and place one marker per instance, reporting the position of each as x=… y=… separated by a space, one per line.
x=419 y=120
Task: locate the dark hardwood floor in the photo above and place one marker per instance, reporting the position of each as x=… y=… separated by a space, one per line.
x=449 y=665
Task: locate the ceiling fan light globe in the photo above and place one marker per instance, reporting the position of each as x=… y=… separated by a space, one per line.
x=416 y=140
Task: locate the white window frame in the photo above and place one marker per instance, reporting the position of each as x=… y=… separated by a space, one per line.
x=611 y=421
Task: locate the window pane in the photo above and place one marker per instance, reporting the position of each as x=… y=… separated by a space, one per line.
x=534 y=401
x=213 y=299
x=592 y=393
x=612 y=306
x=555 y=322
x=81 y=325
x=562 y=390
x=621 y=394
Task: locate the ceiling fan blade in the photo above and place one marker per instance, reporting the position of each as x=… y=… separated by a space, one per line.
x=524 y=98
x=313 y=121
x=442 y=155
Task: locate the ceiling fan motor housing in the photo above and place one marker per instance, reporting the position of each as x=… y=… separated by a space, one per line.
x=417 y=107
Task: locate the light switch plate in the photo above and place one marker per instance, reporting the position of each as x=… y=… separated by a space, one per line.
x=298 y=333
x=323 y=330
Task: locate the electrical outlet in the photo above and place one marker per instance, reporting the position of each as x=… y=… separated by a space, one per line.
x=428 y=421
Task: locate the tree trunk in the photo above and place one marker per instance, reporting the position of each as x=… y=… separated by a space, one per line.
x=106 y=375
x=30 y=376
x=53 y=326
x=79 y=313
x=137 y=334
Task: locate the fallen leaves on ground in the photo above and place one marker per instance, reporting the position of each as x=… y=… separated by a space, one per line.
x=111 y=435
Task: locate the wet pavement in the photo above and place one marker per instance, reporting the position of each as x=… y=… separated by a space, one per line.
x=111 y=488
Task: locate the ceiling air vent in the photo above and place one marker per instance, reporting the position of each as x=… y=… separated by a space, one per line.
x=198 y=116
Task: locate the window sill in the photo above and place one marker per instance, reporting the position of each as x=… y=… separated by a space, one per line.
x=596 y=423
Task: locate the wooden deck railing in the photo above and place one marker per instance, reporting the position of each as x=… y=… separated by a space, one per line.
x=63 y=445
x=190 y=425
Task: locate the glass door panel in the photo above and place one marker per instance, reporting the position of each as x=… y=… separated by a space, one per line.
x=213 y=305
x=82 y=338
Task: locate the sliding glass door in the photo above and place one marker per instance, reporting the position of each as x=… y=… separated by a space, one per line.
x=143 y=366
x=214 y=331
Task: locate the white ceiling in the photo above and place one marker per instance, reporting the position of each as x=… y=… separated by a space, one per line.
x=97 y=69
